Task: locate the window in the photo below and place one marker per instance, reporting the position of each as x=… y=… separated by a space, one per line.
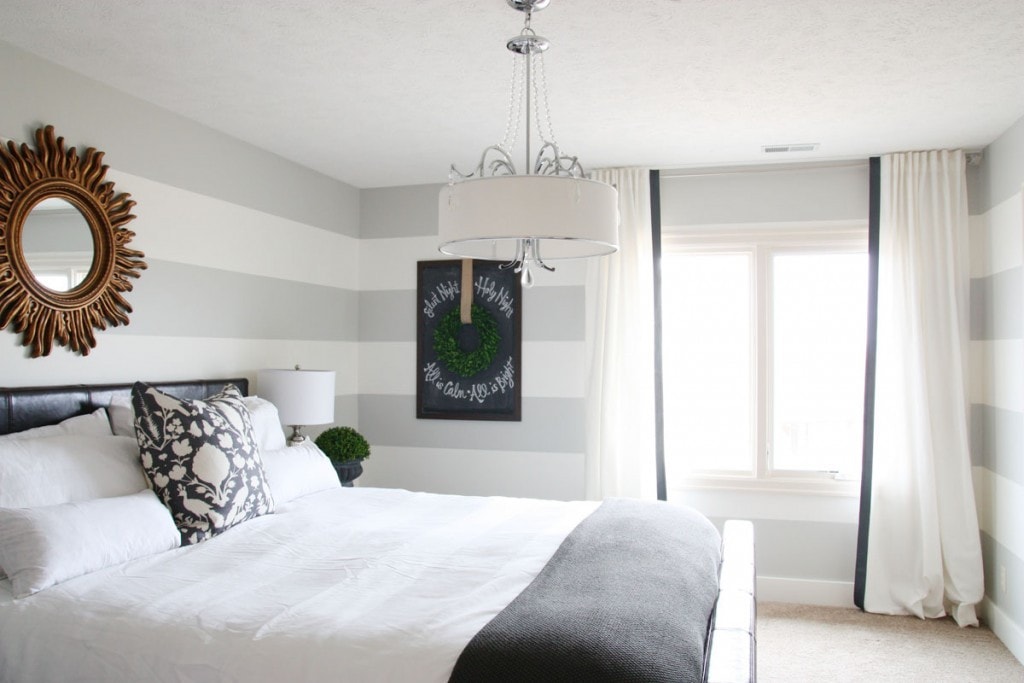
x=60 y=280
x=763 y=356
x=60 y=271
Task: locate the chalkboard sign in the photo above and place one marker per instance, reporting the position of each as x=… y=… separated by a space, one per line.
x=468 y=372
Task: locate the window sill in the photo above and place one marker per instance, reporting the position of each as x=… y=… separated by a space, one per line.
x=813 y=486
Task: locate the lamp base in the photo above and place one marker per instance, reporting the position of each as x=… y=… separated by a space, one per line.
x=297 y=436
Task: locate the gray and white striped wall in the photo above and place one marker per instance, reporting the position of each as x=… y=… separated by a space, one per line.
x=997 y=379
x=253 y=260
x=257 y=262
x=542 y=456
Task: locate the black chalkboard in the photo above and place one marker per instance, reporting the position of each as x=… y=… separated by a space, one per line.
x=463 y=372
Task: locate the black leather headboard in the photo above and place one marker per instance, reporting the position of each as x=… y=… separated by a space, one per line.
x=25 y=407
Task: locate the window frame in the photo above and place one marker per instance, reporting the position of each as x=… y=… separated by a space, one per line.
x=763 y=241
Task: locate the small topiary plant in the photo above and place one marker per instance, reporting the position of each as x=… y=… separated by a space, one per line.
x=341 y=444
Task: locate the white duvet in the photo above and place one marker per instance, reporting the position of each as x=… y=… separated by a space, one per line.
x=351 y=584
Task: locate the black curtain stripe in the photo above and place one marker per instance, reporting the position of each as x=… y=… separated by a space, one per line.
x=863 y=528
x=659 y=398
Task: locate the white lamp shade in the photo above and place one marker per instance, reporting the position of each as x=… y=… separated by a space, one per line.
x=485 y=218
x=302 y=397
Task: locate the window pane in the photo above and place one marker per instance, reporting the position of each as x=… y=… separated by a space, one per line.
x=58 y=282
x=819 y=313
x=707 y=363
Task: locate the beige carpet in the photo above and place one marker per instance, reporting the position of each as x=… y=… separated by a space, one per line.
x=803 y=643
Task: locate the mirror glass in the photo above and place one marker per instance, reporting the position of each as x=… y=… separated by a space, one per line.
x=57 y=244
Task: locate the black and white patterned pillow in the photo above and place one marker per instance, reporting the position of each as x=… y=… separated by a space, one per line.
x=201 y=459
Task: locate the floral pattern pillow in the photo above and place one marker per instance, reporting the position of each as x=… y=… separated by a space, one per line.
x=200 y=457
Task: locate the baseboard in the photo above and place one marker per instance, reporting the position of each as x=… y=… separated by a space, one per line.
x=1005 y=628
x=805 y=591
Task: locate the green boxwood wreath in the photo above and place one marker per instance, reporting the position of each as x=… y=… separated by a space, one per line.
x=446 y=342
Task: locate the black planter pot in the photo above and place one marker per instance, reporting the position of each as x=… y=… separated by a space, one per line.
x=348 y=471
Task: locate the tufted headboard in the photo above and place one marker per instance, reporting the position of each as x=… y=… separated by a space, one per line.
x=25 y=407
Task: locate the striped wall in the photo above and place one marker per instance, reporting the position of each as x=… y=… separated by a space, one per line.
x=542 y=456
x=256 y=262
x=806 y=542
x=253 y=260
x=997 y=380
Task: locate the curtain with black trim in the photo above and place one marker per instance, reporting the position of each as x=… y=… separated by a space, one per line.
x=919 y=550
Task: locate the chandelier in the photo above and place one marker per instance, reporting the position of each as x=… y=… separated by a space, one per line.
x=548 y=212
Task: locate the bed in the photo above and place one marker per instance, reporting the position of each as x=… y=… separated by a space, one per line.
x=356 y=584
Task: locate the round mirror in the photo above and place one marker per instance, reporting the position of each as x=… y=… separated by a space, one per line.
x=65 y=263
x=57 y=244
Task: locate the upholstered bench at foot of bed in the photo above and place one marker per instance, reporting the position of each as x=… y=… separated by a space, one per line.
x=732 y=651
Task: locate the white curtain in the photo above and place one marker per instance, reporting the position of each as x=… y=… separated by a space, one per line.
x=924 y=551
x=620 y=457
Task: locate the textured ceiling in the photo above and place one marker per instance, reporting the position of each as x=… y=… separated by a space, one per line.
x=389 y=92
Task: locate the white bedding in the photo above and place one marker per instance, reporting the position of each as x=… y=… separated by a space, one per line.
x=352 y=584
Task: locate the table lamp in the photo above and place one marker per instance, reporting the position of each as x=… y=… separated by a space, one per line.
x=302 y=397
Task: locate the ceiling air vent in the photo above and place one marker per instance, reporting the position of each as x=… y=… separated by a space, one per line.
x=800 y=147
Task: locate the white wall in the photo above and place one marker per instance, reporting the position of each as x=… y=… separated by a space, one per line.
x=252 y=259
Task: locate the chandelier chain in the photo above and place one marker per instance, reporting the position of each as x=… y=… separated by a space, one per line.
x=515 y=107
x=540 y=93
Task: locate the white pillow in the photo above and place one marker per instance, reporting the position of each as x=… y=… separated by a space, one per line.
x=41 y=547
x=65 y=469
x=122 y=417
x=93 y=424
x=295 y=471
x=266 y=424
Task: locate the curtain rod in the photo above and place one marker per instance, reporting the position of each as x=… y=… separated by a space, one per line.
x=971 y=158
x=762 y=168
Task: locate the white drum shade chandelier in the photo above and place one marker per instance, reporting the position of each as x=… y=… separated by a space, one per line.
x=548 y=213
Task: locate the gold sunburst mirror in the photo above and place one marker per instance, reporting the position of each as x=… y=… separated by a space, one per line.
x=55 y=284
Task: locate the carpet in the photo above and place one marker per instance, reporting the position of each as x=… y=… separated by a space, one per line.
x=808 y=643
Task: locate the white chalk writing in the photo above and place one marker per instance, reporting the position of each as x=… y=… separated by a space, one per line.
x=501 y=382
x=488 y=290
x=444 y=292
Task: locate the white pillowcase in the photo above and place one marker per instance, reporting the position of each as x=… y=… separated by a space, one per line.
x=266 y=424
x=43 y=546
x=93 y=424
x=122 y=417
x=65 y=469
x=295 y=471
